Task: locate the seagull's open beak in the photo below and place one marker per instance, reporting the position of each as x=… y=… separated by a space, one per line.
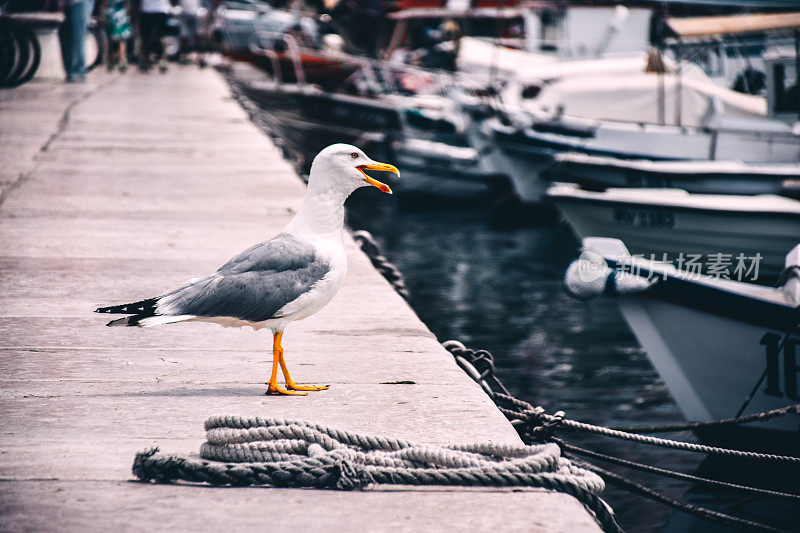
x=385 y=167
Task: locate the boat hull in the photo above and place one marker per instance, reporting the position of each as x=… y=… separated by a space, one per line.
x=747 y=181
x=654 y=230
x=522 y=167
x=437 y=171
x=442 y=182
x=342 y=111
x=305 y=122
x=711 y=363
x=317 y=68
x=524 y=154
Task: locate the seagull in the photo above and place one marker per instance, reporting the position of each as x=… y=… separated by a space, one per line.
x=271 y=284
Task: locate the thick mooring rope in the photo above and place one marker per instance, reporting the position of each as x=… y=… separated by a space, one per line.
x=691 y=426
x=388 y=270
x=537 y=420
x=534 y=425
x=244 y=451
x=700 y=512
x=575 y=450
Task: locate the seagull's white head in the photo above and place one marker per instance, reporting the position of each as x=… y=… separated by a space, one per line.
x=339 y=170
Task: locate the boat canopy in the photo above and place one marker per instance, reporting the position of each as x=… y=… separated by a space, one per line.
x=733 y=25
x=554 y=70
x=480 y=56
x=687 y=100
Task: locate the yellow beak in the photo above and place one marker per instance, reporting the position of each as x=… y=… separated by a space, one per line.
x=385 y=167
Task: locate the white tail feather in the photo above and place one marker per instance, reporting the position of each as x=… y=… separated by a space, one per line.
x=159 y=320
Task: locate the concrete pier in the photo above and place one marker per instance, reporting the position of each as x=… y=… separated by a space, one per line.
x=118 y=189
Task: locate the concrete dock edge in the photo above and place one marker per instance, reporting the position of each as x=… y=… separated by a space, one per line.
x=118 y=189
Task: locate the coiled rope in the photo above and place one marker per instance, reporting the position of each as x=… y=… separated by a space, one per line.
x=243 y=451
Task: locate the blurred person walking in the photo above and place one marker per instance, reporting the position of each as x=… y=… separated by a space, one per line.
x=189 y=30
x=217 y=26
x=152 y=27
x=118 y=31
x=72 y=35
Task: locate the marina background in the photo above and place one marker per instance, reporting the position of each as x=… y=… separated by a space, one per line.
x=521 y=131
x=485 y=264
x=499 y=288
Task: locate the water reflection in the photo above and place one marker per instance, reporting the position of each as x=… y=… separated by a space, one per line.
x=500 y=289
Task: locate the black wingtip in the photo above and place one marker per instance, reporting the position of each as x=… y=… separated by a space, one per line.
x=143 y=308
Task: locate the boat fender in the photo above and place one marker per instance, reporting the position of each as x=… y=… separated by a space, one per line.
x=589 y=276
x=790 y=277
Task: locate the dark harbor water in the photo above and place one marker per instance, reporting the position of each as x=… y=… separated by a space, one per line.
x=500 y=289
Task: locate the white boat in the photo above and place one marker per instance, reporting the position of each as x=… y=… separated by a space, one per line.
x=651 y=116
x=714 y=342
x=679 y=224
x=420 y=131
x=482 y=57
x=548 y=29
x=440 y=171
x=705 y=177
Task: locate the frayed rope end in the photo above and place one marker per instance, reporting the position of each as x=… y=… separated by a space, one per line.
x=141 y=464
x=350 y=476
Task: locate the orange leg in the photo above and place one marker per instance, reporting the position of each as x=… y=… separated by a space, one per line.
x=290 y=384
x=277 y=358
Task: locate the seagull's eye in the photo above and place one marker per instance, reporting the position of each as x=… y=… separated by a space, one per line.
x=354 y=155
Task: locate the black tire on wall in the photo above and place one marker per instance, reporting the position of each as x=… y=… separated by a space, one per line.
x=8 y=52
x=20 y=54
x=30 y=63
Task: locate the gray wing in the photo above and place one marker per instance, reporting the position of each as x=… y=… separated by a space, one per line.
x=253 y=285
